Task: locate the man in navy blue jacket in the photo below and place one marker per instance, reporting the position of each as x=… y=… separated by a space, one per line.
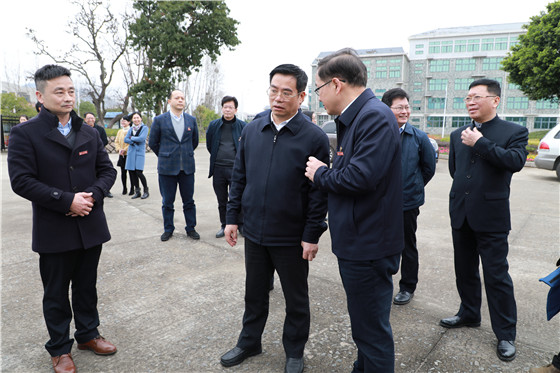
x=284 y=215
x=418 y=161
x=222 y=141
x=482 y=159
x=365 y=203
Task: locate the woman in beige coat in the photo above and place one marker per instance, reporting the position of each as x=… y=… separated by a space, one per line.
x=122 y=148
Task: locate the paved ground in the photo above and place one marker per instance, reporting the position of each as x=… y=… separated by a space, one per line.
x=177 y=306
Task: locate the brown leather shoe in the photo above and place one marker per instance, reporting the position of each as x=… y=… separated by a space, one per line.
x=63 y=364
x=99 y=345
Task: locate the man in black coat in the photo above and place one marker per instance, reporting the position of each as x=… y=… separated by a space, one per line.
x=482 y=158
x=61 y=166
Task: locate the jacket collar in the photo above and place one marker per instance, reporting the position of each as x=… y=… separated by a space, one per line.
x=350 y=114
x=294 y=125
x=52 y=120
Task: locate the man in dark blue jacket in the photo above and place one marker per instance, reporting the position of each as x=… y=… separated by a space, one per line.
x=61 y=166
x=365 y=203
x=482 y=159
x=222 y=141
x=418 y=161
x=284 y=215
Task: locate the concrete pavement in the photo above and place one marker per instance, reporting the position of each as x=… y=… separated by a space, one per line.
x=176 y=306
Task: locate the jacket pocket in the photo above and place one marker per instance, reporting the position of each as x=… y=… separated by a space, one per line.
x=495 y=195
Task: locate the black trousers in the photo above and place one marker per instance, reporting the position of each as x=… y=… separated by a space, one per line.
x=123 y=177
x=492 y=248
x=78 y=267
x=260 y=263
x=409 y=258
x=221 y=181
x=135 y=175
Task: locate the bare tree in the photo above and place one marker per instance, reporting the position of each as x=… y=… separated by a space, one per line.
x=101 y=40
x=204 y=86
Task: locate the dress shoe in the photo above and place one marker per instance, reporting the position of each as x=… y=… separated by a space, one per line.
x=136 y=194
x=109 y=195
x=146 y=194
x=294 y=365
x=403 y=297
x=546 y=369
x=131 y=193
x=220 y=233
x=237 y=355
x=124 y=191
x=63 y=364
x=99 y=345
x=506 y=350
x=166 y=236
x=193 y=234
x=458 y=322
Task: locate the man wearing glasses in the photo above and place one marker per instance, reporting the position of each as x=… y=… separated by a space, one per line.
x=283 y=215
x=482 y=158
x=365 y=203
x=418 y=162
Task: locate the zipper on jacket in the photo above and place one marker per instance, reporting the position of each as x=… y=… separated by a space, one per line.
x=266 y=187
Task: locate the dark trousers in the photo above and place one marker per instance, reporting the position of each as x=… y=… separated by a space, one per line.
x=260 y=263
x=221 y=181
x=136 y=175
x=409 y=258
x=78 y=267
x=168 y=189
x=492 y=249
x=123 y=177
x=369 y=292
x=556 y=361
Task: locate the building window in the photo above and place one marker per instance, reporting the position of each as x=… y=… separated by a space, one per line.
x=522 y=121
x=434 y=47
x=501 y=44
x=379 y=92
x=381 y=62
x=462 y=84
x=517 y=103
x=446 y=47
x=473 y=45
x=545 y=123
x=460 y=46
x=513 y=41
x=394 y=71
x=488 y=44
x=439 y=66
x=418 y=65
x=513 y=86
x=499 y=80
x=436 y=103
x=416 y=105
x=435 y=122
x=417 y=87
x=546 y=104
x=395 y=60
x=491 y=63
x=437 y=85
x=465 y=64
x=381 y=74
x=415 y=122
x=460 y=121
x=419 y=52
x=458 y=103
x=419 y=46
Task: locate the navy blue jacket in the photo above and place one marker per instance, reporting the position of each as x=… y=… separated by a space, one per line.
x=482 y=175
x=418 y=165
x=47 y=171
x=213 y=135
x=365 y=182
x=174 y=154
x=281 y=206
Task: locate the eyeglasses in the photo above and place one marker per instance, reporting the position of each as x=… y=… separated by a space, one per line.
x=398 y=109
x=274 y=92
x=475 y=98
x=330 y=81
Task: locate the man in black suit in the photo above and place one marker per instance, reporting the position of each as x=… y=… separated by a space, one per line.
x=482 y=158
x=61 y=166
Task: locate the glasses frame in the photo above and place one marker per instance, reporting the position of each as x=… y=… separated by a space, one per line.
x=475 y=99
x=402 y=108
x=281 y=93
x=316 y=90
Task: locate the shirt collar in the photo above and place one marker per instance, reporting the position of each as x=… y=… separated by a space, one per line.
x=175 y=116
x=65 y=130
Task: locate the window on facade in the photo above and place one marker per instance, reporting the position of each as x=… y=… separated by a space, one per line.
x=492 y=63
x=473 y=45
x=419 y=46
x=545 y=123
x=437 y=84
x=446 y=47
x=465 y=64
x=435 y=47
x=419 y=52
x=517 y=103
x=435 y=122
x=501 y=44
x=379 y=92
x=415 y=122
x=417 y=87
x=381 y=74
x=381 y=62
x=522 y=121
x=418 y=65
x=513 y=86
x=460 y=45
x=547 y=104
x=436 y=103
x=395 y=60
x=458 y=103
x=499 y=80
x=439 y=66
x=394 y=72
x=460 y=121
x=417 y=106
x=462 y=84
x=488 y=44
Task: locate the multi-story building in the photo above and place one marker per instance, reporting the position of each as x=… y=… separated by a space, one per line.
x=438 y=70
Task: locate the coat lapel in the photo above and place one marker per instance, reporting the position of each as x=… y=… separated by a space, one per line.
x=55 y=135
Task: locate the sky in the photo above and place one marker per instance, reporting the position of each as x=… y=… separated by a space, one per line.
x=273 y=32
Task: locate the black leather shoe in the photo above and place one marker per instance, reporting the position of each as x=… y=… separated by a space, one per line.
x=131 y=193
x=403 y=297
x=109 y=195
x=237 y=355
x=506 y=350
x=294 y=365
x=166 y=236
x=146 y=194
x=124 y=191
x=193 y=234
x=458 y=322
x=220 y=233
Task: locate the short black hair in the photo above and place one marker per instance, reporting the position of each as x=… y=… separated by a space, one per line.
x=344 y=64
x=132 y=114
x=392 y=94
x=49 y=72
x=89 y=112
x=229 y=99
x=171 y=93
x=492 y=85
x=25 y=116
x=293 y=70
